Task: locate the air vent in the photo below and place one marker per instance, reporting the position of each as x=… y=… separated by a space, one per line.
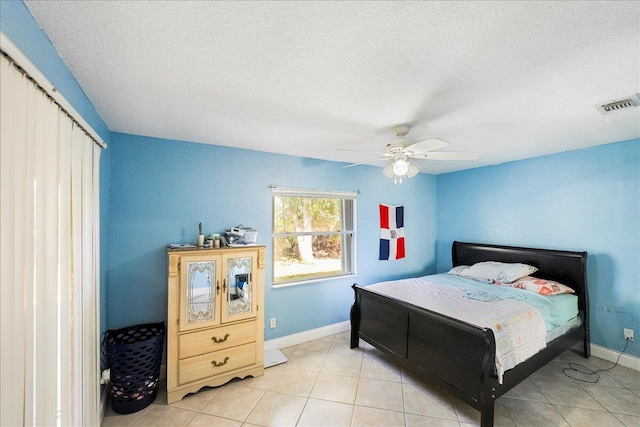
x=619 y=104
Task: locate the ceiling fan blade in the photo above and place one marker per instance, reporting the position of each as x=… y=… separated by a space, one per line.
x=426 y=146
x=377 y=159
x=448 y=155
x=361 y=151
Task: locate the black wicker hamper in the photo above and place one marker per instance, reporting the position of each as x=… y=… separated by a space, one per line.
x=134 y=355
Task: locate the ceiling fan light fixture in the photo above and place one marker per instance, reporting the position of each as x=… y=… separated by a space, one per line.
x=400 y=167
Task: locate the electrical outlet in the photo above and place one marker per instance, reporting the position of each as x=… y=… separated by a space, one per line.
x=273 y=323
x=628 y=334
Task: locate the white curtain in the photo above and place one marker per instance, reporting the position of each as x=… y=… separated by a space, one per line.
x=49 y=261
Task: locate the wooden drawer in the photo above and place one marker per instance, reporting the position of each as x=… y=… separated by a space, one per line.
x=212 y=364
x=215 y=339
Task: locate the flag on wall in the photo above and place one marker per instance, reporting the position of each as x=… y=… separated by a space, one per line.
x=391 y=232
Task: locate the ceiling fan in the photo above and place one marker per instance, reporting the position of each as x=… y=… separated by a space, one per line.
x=403 y=152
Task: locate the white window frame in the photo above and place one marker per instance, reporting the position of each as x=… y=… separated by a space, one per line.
x=348 y=257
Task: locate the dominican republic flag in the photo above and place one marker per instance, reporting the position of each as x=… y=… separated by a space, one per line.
x=391 y=232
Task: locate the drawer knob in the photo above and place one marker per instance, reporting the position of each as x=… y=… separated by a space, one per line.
x=214 y=363
x=216 y=340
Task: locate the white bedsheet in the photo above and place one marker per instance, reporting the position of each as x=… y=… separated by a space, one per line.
x=518 y=327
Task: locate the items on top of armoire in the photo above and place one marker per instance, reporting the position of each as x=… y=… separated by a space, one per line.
x=234 y=237
x=239 y=236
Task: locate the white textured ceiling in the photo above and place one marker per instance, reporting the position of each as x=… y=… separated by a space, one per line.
x=511 y=80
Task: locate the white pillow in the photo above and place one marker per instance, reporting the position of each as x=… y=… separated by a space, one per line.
x=457 y=270
x=493 y=271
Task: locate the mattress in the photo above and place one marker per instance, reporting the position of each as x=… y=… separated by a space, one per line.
x=555 y=310
x=561 y=330
x=520 y=320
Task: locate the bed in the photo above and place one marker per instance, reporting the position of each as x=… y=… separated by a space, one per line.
x=456 y=355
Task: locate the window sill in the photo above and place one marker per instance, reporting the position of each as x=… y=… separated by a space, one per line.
x=319 y=279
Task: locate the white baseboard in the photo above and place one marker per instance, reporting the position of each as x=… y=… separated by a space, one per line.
x=310 y=335
x=104 y=399
x=607 y=354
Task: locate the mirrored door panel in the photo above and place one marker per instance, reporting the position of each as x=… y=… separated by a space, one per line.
x=238 y=279
x=201 y=295
x=199 y=291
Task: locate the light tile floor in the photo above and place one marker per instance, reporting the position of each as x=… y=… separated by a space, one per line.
x=325 y=383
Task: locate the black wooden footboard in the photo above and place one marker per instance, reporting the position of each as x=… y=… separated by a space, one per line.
x=455 y=355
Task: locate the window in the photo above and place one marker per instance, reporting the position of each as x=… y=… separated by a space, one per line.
x=313 y=235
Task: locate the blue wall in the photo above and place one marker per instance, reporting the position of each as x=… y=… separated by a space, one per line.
x=579 y=200
x=161 y=189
